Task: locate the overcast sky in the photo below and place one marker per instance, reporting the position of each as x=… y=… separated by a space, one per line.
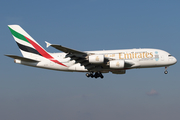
x=28 y=93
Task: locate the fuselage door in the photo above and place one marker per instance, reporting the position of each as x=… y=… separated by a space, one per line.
x=162 y=57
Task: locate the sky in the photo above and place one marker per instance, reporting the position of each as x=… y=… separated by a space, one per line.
x=28 y=93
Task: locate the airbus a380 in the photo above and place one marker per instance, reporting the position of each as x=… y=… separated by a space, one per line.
x=94 y=63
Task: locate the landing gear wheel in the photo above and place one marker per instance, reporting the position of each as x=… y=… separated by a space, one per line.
x=166 y=72
x=95 y=75
x=88 y=75
x=102 y=77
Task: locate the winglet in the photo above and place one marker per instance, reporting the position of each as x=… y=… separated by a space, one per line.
x=47 y=44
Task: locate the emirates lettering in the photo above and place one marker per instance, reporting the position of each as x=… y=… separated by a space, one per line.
x=135 y=55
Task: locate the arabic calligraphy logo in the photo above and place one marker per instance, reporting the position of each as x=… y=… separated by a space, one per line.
x=117 y=64
x=97 y=58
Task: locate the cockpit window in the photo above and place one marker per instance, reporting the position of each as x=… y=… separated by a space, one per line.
x=169 y=55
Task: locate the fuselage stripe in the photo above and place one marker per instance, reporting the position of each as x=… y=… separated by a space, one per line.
x=43 y=52
x=27 y=49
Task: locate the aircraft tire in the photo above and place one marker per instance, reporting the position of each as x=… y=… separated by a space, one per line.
x=165 y=72
x=87 y=75
x=102 y=77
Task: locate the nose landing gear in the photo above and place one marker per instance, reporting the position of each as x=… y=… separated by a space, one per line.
x=165 y=72
x=95 y=75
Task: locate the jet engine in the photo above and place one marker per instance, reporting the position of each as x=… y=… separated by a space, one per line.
x=117 y=64
x=97 y=59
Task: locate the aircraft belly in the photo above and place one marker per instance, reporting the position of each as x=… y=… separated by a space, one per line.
x=51 y=65
x=147 y=63
x=77 y=67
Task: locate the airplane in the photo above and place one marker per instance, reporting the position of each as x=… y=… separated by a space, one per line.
x=94 y=63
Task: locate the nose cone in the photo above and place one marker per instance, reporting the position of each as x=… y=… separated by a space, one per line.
x=172 y=60
x=175 y=60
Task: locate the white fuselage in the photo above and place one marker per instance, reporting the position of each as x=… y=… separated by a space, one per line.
x=139 y=58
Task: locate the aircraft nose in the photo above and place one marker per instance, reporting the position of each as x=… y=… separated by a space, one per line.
x=172 y=60
x=175 y=60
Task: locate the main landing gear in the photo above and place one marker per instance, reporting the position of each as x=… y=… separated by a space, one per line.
x=165 y=72
x=95 y=75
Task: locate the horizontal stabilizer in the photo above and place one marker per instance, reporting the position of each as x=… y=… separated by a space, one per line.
x=21 y=58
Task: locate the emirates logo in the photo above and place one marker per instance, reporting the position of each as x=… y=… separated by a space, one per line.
x=97 y=58
x=117 y=64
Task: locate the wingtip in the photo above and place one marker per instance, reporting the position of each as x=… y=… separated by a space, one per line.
x=47 y=44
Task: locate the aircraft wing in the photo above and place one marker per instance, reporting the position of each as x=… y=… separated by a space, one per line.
x=65 y=49
x=81 y=57
x=78 y=56
x=21 y=58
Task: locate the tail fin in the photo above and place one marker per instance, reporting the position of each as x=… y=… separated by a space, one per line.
x=27 y=45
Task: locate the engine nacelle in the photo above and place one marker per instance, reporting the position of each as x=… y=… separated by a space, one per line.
x=117 y=64
x=97 y=59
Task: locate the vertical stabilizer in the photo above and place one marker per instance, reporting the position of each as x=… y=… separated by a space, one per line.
x=27 y=45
